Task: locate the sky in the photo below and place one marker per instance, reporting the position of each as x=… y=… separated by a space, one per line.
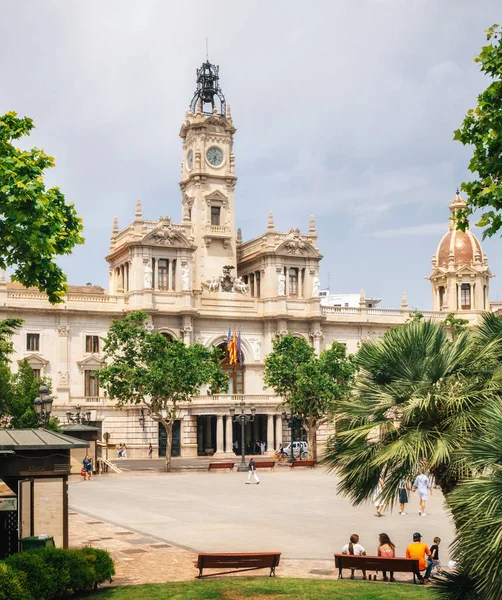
x=345 y=110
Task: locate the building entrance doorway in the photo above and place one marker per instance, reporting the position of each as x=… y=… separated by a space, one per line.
x=255 y=434
x=176 y=444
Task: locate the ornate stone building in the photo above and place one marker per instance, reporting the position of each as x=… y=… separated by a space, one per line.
x=198 y=278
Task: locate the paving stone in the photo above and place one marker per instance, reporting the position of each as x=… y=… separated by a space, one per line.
x=140 y=541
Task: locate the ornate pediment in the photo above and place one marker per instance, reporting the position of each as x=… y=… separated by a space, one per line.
x=296 y=244
x=165 y=234
x=216 y=195
x=92 y=362
x=35 y=361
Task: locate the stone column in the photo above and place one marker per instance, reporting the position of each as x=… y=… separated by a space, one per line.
x=230 y=434
x=156 y=275
x=219 y=434
x=189 y=436
x=270 y=435
x=278 y=429
x=63 y=383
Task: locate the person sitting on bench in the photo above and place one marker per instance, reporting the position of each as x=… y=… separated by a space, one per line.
x=354 y=548
x=420 y=551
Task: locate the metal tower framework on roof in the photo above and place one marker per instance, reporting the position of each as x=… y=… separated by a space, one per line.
x=208 y=89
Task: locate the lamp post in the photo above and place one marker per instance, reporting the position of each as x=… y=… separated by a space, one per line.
x=243 y=418
x=293 y=423
x=106 y=436
x=43 y=406
x=78 y=417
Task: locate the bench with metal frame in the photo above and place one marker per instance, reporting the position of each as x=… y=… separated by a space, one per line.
x=237 y=562
x=264 y=464
x=377 y=563
x=303 y=463
x=220 y=465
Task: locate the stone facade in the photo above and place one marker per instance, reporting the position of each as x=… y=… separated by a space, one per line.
x=197 y=279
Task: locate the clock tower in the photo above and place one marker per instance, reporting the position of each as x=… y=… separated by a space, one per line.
x=208 y=178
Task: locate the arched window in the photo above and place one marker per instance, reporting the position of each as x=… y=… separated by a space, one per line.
x=168 y=336
x=235 y=372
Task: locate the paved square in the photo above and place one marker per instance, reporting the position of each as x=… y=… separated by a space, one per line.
x=297 y=513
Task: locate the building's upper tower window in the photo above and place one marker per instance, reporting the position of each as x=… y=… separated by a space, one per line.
x=293 y=282
x=163 y=274
x=215 y=215
x=465 y=296
x=33 y=342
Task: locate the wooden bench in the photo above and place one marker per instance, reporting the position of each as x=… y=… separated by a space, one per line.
x=377 y=563
x=263 y=464
x=303 y=463
x=221 y=465
x=237 y=562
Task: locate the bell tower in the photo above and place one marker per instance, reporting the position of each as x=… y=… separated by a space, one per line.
x=208 y=178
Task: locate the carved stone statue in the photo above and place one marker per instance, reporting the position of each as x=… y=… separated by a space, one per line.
x=240 y=286
x=282 y=284
x=256 y=345
x=316 y=287
x=185 y=277
x=148 y=277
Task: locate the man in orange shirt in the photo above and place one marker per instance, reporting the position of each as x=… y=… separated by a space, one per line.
x=421 y=552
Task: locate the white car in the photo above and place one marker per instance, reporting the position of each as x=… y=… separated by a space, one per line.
x=299 y=449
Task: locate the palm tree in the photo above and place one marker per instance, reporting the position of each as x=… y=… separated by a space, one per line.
x=417 y=399
x=476 y=505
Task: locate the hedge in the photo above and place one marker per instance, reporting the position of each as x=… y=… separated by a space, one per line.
x=48 y=573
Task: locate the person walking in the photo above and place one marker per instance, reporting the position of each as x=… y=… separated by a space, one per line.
x=420 y=552
x=252 y=472
x=354 y=548
x=150 y=451
x=87 y=466
x=377 y=497
x=386 y=549
x=422 y=485
x=402 y=492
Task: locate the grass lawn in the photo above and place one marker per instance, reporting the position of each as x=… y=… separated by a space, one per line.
x=266 y=589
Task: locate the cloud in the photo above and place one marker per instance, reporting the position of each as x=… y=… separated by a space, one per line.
x=427 y=229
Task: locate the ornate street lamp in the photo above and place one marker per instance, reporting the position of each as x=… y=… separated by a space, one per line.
x=106 y=437
x=293 y=423
x=243 y=418
x=141 y=417
x=78 y=417
x=43 y=406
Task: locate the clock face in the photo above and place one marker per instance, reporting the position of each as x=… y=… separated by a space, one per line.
x=190 y=159
x=214 y=156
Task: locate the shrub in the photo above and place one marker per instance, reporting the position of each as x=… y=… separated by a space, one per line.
x=103 y=564
x=40 y=577
x=11 y=584
x=48 y=573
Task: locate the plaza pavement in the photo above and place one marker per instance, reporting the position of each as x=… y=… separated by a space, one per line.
x=155 y=523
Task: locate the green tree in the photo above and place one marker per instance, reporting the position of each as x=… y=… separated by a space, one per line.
x=310 y=386
x=141 y=367
x=24 y=389
x=36 y=224
x=455 y=324
x=7 y=328
x=482 y=129
x=417 y=399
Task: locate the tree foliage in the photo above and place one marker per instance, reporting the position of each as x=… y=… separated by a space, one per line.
x=7 y=328
x=310 y=386
x=482 y=129
x=418 y=398
x=141 y=367
x=476 y=505
x=36 y=224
